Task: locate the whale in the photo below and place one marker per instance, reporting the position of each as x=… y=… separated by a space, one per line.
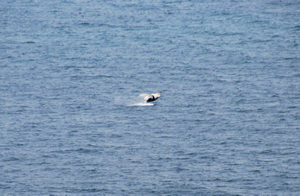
x=150 y=98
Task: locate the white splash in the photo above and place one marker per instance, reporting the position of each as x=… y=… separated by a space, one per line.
x=142 y=104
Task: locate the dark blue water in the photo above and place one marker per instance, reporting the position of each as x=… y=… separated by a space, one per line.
x=227 y=123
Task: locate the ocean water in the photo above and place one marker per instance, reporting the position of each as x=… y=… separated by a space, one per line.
x=72 y=122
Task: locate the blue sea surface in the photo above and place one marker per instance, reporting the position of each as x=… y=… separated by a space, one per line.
x=71 y=120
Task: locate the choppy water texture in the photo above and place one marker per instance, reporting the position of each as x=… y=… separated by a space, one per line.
x=227 y=122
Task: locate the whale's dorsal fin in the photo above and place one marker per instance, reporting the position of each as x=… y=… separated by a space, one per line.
x=156 y=95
